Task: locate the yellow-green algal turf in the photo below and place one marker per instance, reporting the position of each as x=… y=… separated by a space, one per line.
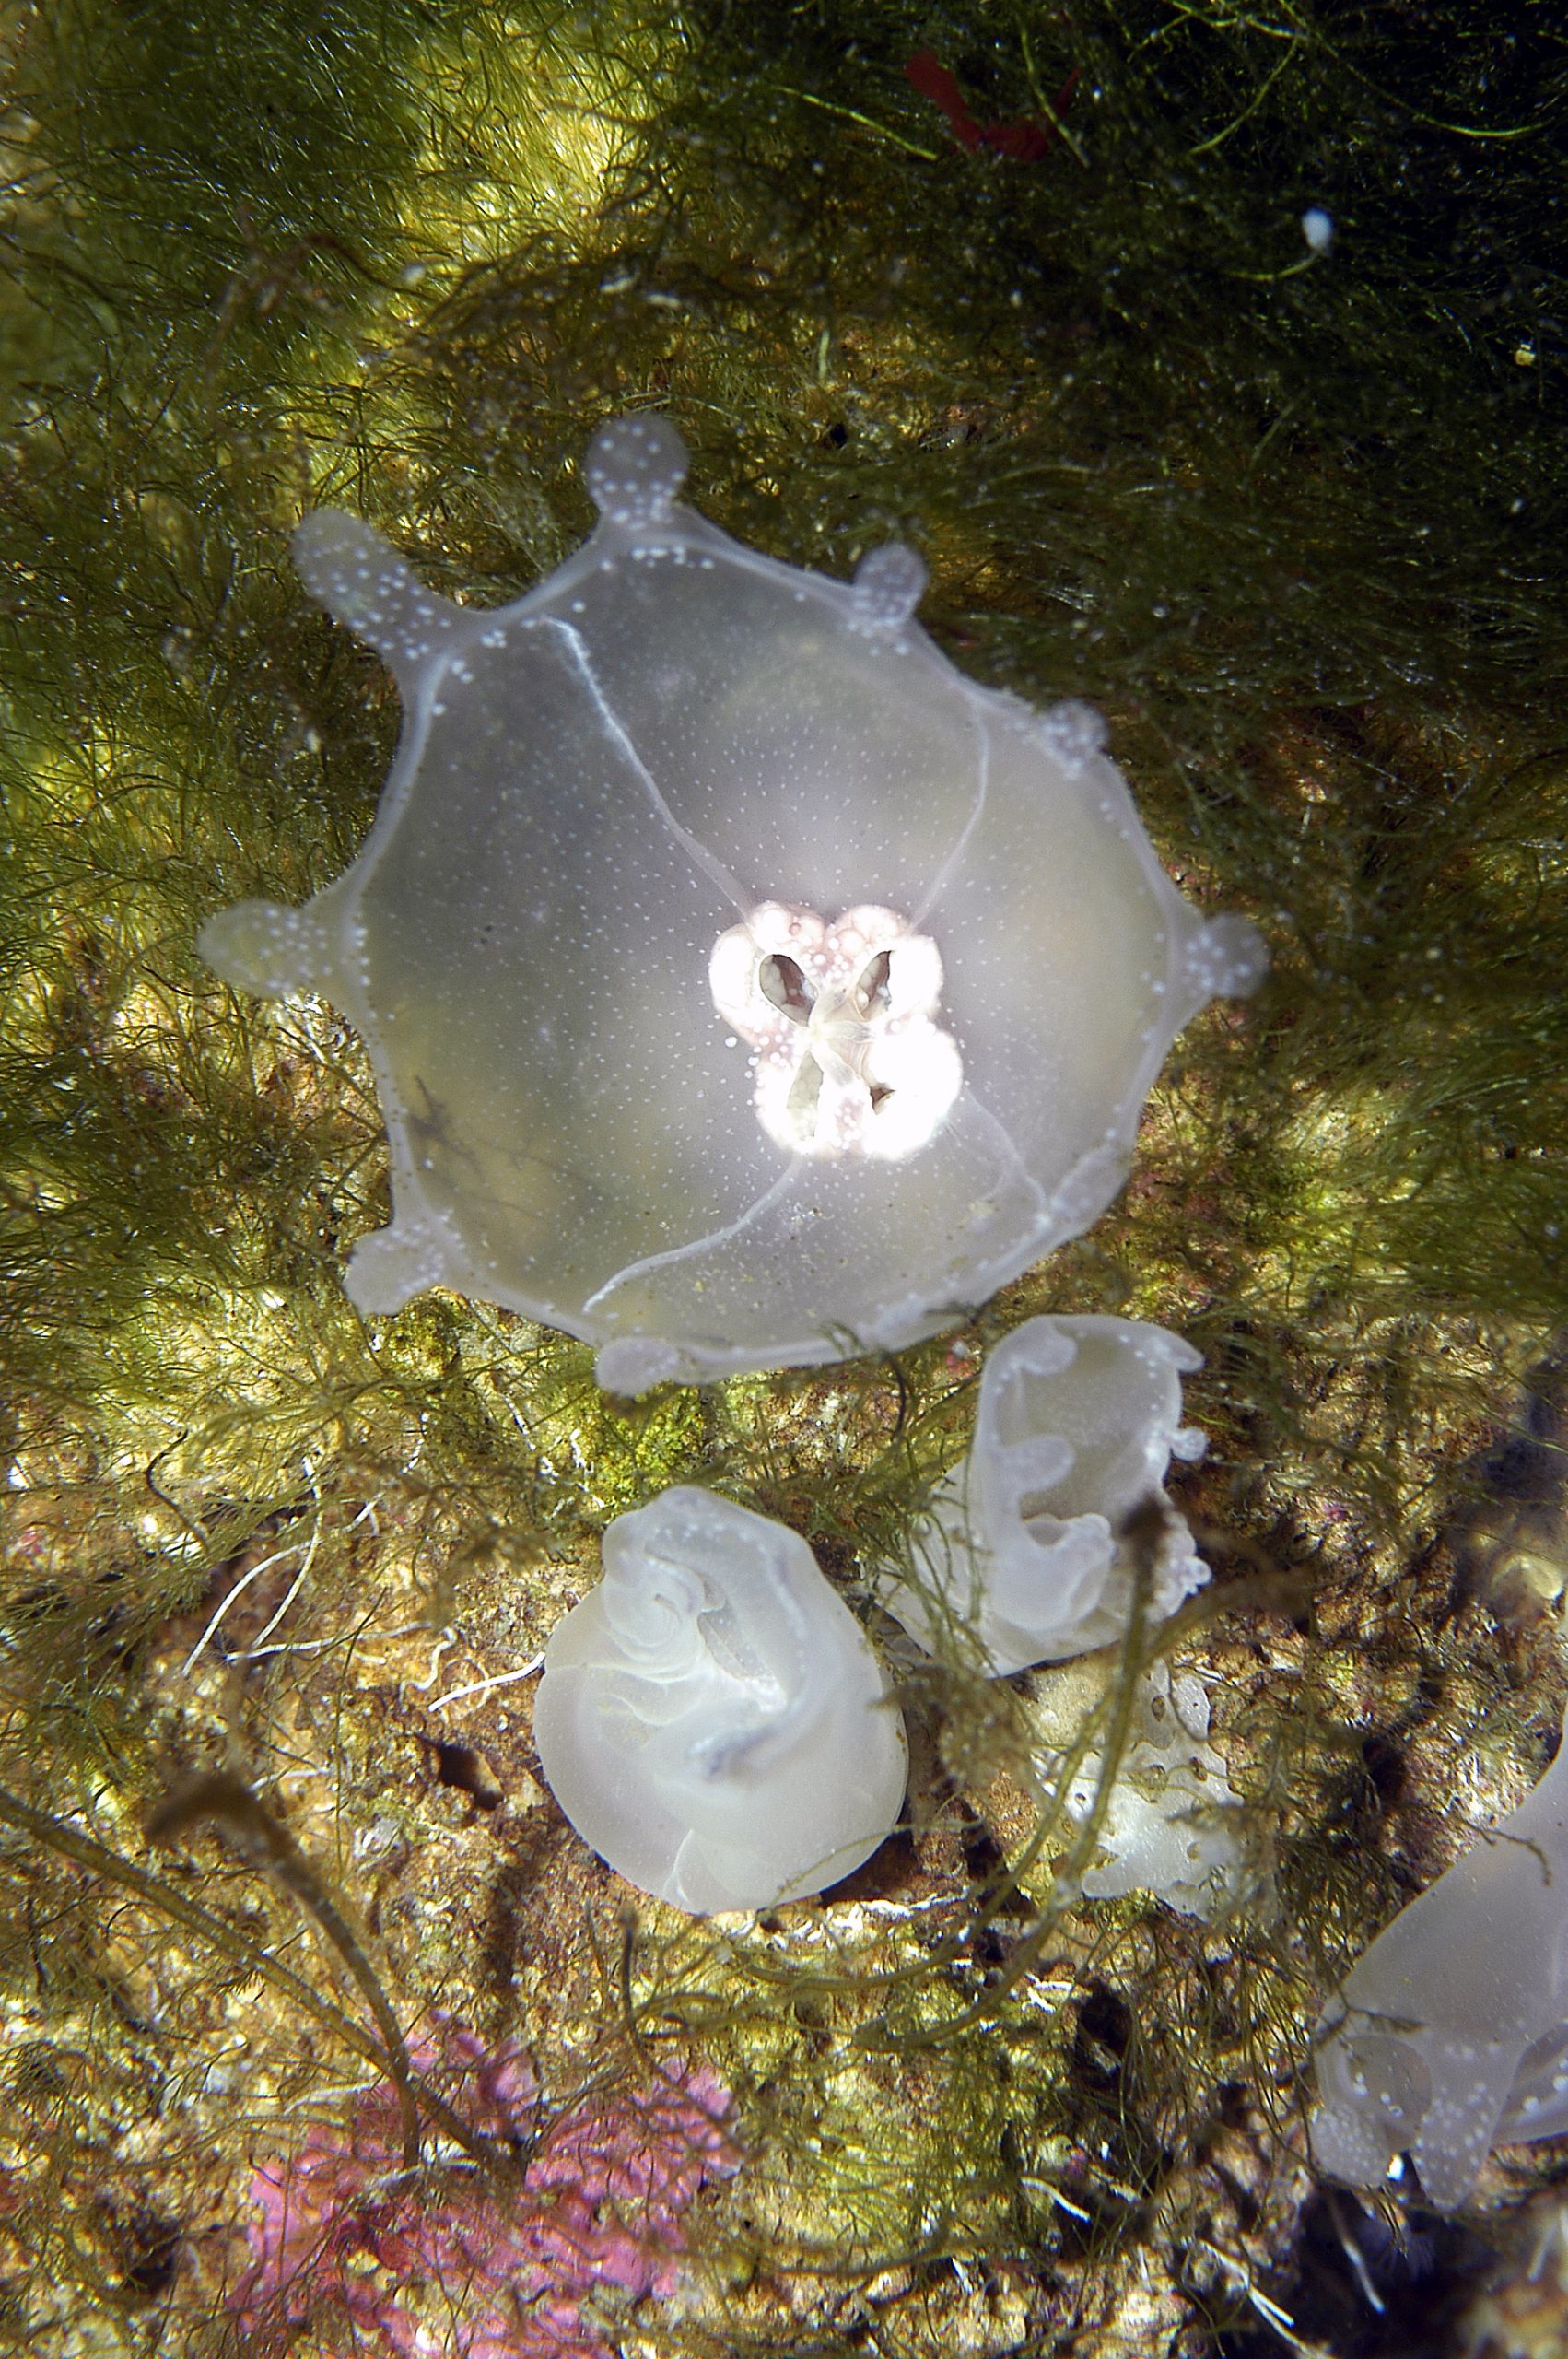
x=1286 y=501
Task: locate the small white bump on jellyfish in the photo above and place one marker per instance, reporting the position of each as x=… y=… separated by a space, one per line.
x=263 y=947
x=1030 y=1551
x=712 y=1720
x=1075 y=734
x=1226 y=958
x=1172 y=1824
x=1344 y=2147
x=635 y=467
x=349 y=569
x=392 y=1265
x=600 y=783
x=886 y=587
x=1449 y=2033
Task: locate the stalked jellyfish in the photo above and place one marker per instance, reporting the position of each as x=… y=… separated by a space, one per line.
x=744 y=986
x=711 y=1718
x=1450 y=2034
x=1171 y=1822
x=1031 y=1549
x=1032 y=1553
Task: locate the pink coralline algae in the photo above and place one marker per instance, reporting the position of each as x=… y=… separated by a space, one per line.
x=447 y=2263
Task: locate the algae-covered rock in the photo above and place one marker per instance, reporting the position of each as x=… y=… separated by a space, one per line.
x=1046 y=297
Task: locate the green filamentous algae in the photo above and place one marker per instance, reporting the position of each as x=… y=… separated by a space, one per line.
x=1210 y=363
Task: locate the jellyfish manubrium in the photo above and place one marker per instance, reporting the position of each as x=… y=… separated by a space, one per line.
x=712 y=1719
x=745 y=988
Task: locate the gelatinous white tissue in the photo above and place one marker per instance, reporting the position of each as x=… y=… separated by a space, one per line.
x=1450 y=2034
x=744 y=985
x=712 y=1719
x=1027 y=1554
x=1172 y=1825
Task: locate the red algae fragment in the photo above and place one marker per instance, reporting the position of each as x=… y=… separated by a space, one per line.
x=444 y=2263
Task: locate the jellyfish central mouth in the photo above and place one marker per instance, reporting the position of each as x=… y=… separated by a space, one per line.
x=847 y=1056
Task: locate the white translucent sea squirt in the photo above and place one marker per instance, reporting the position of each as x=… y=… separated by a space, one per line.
x=1025 y=1555
x=744 y=986
x=712 y=1719
x=1450 y=2032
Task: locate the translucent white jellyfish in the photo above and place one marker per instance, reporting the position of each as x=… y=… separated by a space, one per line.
x=712 y=1719
x=1031 y=1548
x=744 y=986
x=1450 y=2034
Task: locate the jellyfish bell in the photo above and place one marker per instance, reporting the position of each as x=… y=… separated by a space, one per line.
x=744 y=986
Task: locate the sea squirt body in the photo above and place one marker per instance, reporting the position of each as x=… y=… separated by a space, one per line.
x=744 y=987
x=712 y=1720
